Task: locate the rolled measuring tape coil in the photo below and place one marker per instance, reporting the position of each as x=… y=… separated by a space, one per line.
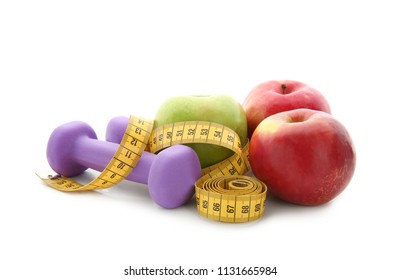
x=231 y=199
x=140 y=135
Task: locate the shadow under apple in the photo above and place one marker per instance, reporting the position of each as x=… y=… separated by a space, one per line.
x=276 y=207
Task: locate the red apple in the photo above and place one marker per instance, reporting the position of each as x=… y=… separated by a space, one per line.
x=304 y=156
x=274 y=97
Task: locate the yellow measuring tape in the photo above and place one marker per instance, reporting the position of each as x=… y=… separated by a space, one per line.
x=238 y=199
x=208 y=133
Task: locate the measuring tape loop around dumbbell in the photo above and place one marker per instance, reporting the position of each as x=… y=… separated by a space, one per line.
x=208 y=133
x=132 y=145
x=140 y=135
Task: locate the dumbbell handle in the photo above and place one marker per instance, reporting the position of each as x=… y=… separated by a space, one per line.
x=96 y=154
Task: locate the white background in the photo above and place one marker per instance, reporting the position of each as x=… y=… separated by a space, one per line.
x=92 y=60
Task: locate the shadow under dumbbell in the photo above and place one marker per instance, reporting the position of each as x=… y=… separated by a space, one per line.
x=125 y=190
x=129 y=190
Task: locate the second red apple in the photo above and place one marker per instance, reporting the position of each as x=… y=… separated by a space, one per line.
x=273 y=97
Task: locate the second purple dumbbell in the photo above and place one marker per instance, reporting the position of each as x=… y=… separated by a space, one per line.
x=170 y=175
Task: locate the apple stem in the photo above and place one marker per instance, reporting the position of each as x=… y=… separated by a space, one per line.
x=283 y=86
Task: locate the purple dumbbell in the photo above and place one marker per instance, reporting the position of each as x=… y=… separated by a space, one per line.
x=170 y=175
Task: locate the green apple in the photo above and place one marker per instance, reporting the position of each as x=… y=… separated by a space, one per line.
x=220 y=109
